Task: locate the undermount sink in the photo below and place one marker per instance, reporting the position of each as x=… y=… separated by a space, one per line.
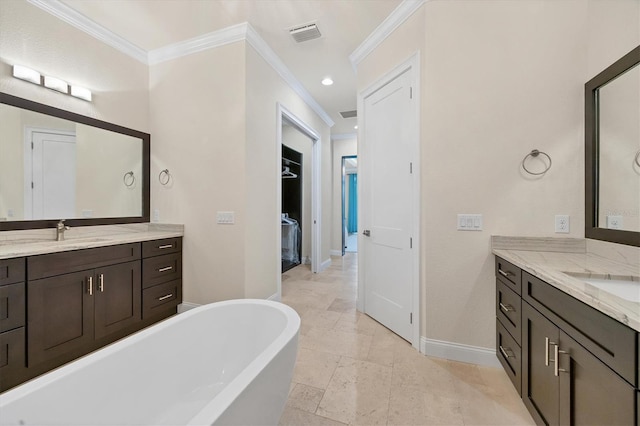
x=624 y=286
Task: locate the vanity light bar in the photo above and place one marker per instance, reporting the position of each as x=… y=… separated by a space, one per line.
x=27 y=74
x=56 y=84
x=53 y=83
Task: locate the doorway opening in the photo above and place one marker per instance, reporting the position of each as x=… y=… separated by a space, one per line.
x=349 y=204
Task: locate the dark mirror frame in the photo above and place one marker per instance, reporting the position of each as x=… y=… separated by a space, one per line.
x=592 y=151
x=66 y=115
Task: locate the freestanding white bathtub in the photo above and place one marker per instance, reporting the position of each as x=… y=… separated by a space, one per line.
x=224 y=363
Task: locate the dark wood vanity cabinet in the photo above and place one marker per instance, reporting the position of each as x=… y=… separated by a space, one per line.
x=579 y=366
x=67 y=304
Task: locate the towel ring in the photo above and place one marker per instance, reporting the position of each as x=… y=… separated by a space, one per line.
x=164 y=177
x=637 y=160
x=129 y=179
x=534 y=153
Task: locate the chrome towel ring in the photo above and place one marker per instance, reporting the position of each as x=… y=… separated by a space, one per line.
x=637 y=159
x=534 y=153
x=129 y=179
x=164 y=177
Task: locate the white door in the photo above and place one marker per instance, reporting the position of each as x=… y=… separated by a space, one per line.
x=53 y=175
x=387 y=182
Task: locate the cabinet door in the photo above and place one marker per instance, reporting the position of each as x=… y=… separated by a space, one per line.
x=60 y=315
x=540 y=386
x=118 y=301
x=590 y=392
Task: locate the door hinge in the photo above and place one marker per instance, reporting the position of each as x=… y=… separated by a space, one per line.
x=410 y=92
x=31 y=185
x=410 y=168
x=411 y=242
x=410 y=317
x=32 y=145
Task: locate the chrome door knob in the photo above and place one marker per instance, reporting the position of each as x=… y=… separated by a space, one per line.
x=366 y=233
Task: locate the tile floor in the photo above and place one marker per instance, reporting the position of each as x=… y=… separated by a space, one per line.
x=352 y=370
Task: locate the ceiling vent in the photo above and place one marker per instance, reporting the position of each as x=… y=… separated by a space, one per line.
x=305 y=32
x=349 y=114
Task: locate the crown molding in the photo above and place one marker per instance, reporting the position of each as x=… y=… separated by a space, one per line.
x=384 y=30
x=261 y=46
x=240 y=32
x=78 y=20
x=343 y=136
x=198 y=44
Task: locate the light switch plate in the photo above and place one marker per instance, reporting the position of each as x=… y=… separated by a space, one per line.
x=469 y=222
x=225 y=218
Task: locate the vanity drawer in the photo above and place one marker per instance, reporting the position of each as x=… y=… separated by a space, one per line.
x=160 y=298
x=160 y=247
x=48 y=265
x=160 y=269
x=13 y=360
x=510 y=355
x=12 y=306
x=609 y=340
x=509 y=274
x=509 y=310
x=12 y=270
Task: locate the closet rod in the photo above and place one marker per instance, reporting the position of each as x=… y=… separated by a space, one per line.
x=290 y=161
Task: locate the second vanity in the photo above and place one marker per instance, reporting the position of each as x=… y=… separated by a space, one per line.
x=569 y=346
x=61 y=300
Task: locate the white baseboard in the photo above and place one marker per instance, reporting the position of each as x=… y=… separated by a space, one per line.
x=185 y=306
x=335 y=252
x=324 y=265
x=275 y=297
x=459 y=352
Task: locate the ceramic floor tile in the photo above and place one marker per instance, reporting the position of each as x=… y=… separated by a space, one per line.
x=292 y=416
x=314 y=368
x=305 y=397
x=352 y=370
x=358 y=393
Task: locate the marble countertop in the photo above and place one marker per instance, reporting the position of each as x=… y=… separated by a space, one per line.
x=42 y=241
x=551 y=266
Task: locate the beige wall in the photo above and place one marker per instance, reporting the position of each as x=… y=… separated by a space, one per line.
x=36 y=39
x=298 y=141
x=340 y=148
x=264 y=90
x=494 y=87
x=198 y=127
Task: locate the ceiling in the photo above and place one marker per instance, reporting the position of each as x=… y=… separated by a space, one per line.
x=344 y=25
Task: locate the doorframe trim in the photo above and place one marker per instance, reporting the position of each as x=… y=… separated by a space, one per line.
x=28 y=164
x=411 y=63
x=316 y=205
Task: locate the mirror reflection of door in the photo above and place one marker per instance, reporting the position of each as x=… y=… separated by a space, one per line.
x=50 y=175
x=349 y=204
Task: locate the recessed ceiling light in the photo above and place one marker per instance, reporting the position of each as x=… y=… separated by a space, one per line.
x=327 y=81
x=355 y=127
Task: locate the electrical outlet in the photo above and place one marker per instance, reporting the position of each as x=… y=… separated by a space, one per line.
x=614 y=222
x=562 y=224
x=156 y=215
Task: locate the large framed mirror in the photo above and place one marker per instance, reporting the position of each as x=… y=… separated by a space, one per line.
x=55 y=164
x=612 y=152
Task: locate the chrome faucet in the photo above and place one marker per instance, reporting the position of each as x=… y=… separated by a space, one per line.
x=60 y=228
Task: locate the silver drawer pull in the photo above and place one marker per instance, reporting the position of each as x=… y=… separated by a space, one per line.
x=504 y=352
x=165 y=297
x=101 y=283
x=165 y=269
x=166 y=246
x=90 y=282
x=546 y=351
x=507 y=308
x=505 y=274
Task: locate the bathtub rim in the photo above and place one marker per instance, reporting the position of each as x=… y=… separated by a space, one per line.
x=222 y=400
